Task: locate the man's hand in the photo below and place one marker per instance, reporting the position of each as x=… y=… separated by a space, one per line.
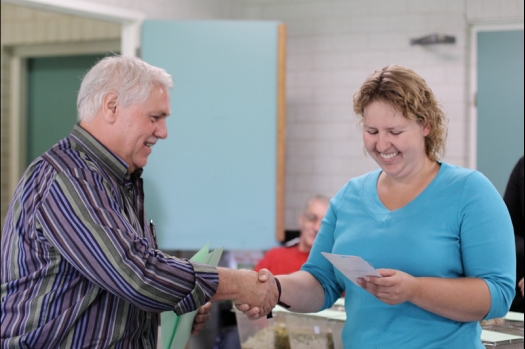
x=202 y=316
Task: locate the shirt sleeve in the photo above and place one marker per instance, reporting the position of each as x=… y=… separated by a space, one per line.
x=487 y=241
x=81 y=218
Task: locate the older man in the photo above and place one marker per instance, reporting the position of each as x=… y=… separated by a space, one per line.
x=80 y=266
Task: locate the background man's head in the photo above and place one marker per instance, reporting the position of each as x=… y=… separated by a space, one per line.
x=310 y=220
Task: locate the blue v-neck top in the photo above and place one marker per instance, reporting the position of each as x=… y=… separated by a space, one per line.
x=457 y=227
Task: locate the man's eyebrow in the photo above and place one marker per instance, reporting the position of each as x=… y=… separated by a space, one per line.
x=159 y=112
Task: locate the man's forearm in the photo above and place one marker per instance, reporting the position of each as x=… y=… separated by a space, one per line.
x=230 y=283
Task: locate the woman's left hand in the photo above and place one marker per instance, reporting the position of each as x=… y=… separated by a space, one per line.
x=394 y=287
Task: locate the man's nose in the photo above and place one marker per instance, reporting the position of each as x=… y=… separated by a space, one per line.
x=162 y=129
x=318 y=224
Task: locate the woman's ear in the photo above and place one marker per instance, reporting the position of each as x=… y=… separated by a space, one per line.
x=426 y=129
x=110 y=106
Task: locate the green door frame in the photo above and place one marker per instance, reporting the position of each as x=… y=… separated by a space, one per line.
x=18 y=93
x=472 y=124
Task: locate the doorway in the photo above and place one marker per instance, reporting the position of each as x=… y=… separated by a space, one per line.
x=500 y=107
x=53 y=84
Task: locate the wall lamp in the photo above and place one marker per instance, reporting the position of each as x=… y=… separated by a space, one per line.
x=433 y=39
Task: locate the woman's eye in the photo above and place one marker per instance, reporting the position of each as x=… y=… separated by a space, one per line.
x=372 y=132
x=395 y=133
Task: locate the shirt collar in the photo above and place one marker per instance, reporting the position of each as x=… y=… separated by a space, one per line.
x=113 y=164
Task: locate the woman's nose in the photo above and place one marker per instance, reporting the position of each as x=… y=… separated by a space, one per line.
x=383 y=143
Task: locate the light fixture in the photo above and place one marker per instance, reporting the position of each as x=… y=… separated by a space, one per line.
x=433 y=39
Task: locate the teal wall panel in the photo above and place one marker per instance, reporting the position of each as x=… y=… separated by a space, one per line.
x=214 y=178
x=500 y=113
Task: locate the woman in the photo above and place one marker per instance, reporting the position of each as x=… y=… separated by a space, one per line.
x=440 y=235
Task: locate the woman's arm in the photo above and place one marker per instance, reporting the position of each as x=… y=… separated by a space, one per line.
x=302 y=292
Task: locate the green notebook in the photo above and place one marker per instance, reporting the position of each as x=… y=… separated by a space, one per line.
x=176 y=330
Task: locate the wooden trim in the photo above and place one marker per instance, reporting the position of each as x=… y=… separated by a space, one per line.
x=281 y=131
x=15 y=120
x=82 y=8
x=56 y=49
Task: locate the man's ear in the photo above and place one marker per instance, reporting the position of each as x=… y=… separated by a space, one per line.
x=110 y=106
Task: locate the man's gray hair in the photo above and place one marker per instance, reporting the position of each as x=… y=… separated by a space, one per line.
x=316 y=197
x=130 y=77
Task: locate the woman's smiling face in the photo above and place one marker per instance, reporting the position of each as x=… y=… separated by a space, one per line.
x=395 y=142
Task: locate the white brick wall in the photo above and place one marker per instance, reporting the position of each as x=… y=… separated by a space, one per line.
x=332 y=46
x=494 y=9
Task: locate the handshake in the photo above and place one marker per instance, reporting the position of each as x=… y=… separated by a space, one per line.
x=255 y=294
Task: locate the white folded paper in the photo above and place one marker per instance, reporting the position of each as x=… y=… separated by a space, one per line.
x=353 y=267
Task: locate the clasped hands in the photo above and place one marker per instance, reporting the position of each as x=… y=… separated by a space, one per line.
x=259 y=295
x=255 y=295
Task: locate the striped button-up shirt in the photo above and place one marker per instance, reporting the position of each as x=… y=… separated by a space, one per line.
x=79 y=263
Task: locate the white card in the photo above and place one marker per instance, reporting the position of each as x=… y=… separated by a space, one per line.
x=353 y=267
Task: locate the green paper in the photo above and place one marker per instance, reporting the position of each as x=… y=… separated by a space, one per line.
x=176 y=330
x=200 y=257
x=215 y=256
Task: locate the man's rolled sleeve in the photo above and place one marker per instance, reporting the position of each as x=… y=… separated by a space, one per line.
x=206 y=284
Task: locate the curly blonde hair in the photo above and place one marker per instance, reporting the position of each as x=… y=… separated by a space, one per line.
x=407 y=92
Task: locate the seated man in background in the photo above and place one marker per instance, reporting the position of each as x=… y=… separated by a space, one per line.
x=290 y=258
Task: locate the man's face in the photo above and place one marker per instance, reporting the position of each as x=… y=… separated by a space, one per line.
x=141 y=126
x=310 y=222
